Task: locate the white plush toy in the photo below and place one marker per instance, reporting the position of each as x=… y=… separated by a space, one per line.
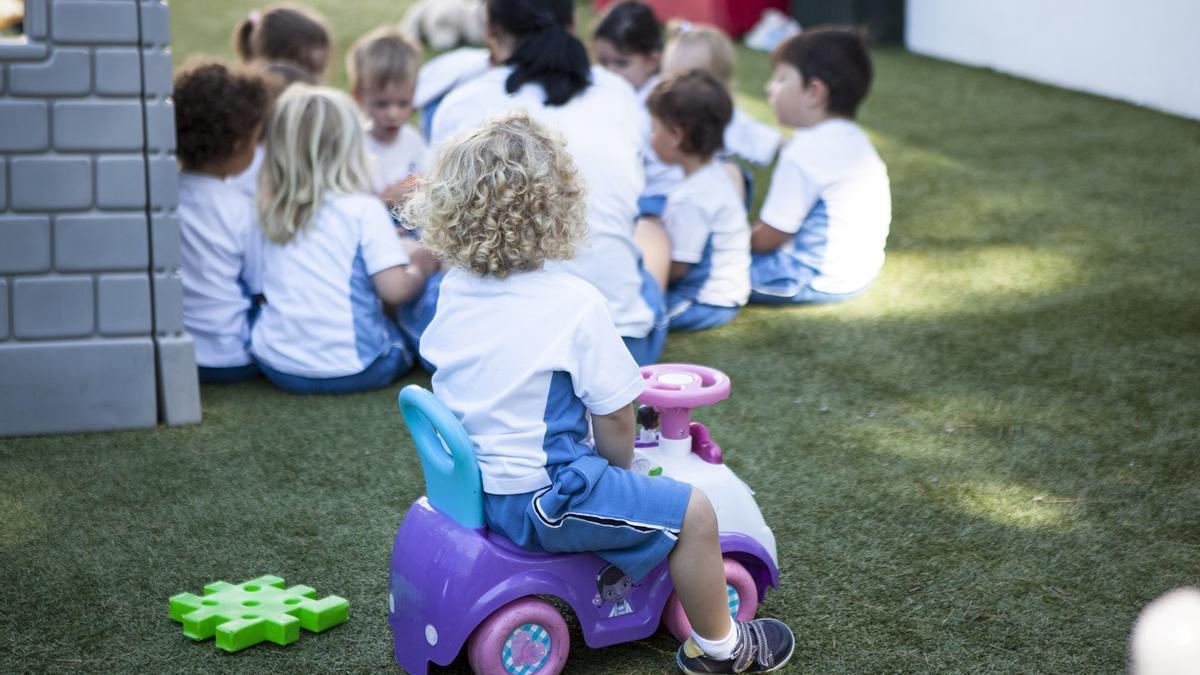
x=1166 y=637
x=442 y=24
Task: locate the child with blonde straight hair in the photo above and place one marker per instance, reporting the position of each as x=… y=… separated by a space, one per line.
x=382 y=67
x=526 y=356
x=332 y=254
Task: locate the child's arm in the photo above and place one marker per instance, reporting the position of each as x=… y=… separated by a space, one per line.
x=614 y=436
x=400 y=284
x=765 y=239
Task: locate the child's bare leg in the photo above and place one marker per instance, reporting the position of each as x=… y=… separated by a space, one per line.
x=651 y=237
x=699 y=573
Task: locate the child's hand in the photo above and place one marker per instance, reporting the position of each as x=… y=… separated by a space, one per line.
x=398 y=193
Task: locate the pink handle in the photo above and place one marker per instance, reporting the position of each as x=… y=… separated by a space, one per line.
x=676 y=388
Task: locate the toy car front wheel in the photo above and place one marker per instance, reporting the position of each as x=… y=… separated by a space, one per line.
x=524 y=637
x=743 y=601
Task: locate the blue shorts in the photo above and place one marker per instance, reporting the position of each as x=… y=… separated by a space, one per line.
x=646 y=350
x=630 y=520
x=381 y=373
x=690 y=316
x=777 y=278
x=229 y=374
x=416 y=316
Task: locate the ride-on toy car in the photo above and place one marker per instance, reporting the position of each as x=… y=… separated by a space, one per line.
x=453 y=582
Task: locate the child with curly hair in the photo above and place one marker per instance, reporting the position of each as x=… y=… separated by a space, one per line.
x=219 y=115
x=526 y=356
x=333 y=258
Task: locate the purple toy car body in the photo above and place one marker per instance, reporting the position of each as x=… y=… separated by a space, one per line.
x=454 y=583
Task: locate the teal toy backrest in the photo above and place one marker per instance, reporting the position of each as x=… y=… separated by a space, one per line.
x=452 y=479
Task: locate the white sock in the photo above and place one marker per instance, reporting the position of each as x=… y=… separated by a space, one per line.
x=718 y=649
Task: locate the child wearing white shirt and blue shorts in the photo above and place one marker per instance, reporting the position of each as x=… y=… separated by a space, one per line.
x=704 y=218
x=825 y=220
x=219 y=114
x=333 y=259
x=528 y=359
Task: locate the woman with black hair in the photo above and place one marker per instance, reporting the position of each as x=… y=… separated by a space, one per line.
x=545 y=70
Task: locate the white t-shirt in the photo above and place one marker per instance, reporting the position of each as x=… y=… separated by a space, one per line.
x=706 y=222
x=395 y=161
x=521 y=361
x=446 y=71
x=750 y=139
x=602 y=134
x=322 y=317
x=832 y=167
x=220 y=264
x=246 y=182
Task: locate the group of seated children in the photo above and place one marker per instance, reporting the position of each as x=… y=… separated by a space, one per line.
x=292 y=265
x=563 y=270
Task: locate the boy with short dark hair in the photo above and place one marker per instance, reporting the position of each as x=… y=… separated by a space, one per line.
x=823 y=226
x=704 y=217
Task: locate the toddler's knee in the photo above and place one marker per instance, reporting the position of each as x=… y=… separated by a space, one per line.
x=700 y=517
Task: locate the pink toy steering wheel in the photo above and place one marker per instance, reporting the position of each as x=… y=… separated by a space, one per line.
x=676 y=388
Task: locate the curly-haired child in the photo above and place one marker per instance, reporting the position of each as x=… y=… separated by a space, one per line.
x=704 y=217
x=332 y=254
x=526 y=356
x=382 y=67
x=825 y=220
x=219 y=114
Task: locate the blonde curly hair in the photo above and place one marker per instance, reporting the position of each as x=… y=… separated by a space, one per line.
x=504 y=198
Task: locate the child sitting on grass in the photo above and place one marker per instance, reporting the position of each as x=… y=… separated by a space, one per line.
x=704 y=217
x=382 y=67
x=219 y=115
x=332 y=254
x=525 y=357
x=825 y=219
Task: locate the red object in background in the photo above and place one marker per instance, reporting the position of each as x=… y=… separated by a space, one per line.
x=732 y=16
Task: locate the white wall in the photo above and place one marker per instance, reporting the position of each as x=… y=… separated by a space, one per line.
x=1144 y=52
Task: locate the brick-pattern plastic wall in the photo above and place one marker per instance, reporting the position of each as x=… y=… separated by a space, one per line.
x=91 y=330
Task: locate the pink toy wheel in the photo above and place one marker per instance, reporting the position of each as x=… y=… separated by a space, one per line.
x=743 y=601
x=524 y=637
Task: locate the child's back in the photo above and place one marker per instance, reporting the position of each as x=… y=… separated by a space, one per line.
x=520 y=360
x=219 y=113
x=322 y=317
x=332 y=259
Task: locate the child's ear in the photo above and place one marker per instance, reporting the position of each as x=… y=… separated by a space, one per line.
x=819 y=93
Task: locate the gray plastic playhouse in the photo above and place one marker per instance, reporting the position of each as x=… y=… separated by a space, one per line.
x=91 y=330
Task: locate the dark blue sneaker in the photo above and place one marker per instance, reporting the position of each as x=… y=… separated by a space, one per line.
x=763 y=645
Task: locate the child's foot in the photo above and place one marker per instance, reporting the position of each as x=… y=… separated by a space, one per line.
x=763 y=645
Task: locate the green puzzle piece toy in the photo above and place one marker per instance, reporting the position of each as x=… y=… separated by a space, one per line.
x=245 y=614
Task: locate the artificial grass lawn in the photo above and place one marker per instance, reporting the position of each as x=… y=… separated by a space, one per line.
x=987 y=463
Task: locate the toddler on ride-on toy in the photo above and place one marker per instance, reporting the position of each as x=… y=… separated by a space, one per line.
x=522 y=356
